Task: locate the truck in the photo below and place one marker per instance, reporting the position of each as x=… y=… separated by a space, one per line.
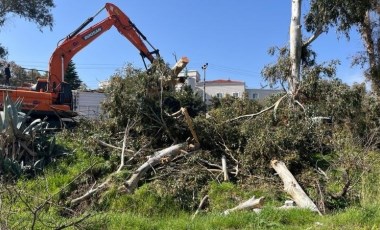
x=52 y=96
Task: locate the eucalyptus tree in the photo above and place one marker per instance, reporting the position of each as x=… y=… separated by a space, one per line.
x=345 y=15
x=324 y=15
x=296 y=61
x=38 y=12
x=295 y=42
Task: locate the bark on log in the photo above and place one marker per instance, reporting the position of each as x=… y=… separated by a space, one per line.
x=190 y=124
x=224 y=167
x=172 y=80
x=180 y=65
x=292 y=187
x=166 y=154
x=249 y=204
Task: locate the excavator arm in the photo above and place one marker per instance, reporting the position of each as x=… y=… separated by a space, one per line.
x=79 y=39
x=51 y=96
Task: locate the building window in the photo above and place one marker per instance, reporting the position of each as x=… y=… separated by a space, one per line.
x=255 y=96
x=236 y=95
x=219 y=95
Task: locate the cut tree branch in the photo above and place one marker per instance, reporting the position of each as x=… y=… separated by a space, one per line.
x=201 y=206
x=248 y=204
x=274 y=106
x=107 y=145
x=318 y=32
x=292 y=187
x=166 y=154
x=92 y=191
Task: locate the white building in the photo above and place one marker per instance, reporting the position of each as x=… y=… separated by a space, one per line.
x=88 y=103
x=192 y=77
x=259 y=94
x=221 y=88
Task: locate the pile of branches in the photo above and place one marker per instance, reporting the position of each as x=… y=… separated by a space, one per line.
x=148 y=139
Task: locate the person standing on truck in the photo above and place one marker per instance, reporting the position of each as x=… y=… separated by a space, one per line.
x=7 y=72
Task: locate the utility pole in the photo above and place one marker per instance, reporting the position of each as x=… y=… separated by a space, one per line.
x=204 y=67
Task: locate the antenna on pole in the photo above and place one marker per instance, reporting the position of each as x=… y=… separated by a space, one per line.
x=204 y=67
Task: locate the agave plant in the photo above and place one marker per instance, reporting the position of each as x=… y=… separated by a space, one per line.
x=18 y=138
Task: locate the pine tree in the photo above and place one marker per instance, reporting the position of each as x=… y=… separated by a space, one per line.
x=71 y=76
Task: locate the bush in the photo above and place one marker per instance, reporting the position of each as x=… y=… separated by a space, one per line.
x=25 y=145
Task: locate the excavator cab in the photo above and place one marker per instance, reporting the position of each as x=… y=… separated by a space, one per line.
x=41 y=85
x=65 y=95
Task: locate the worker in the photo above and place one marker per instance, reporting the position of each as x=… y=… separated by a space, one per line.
x=7 y=72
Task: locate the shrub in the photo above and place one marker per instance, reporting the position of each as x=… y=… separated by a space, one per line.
x=24 y=145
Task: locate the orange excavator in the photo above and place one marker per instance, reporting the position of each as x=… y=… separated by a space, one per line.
x=52 y=95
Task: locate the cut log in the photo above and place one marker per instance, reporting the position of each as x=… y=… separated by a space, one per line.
x=224 y=167
x=249 y=204
x=190 y=124
x=180 y=65
x=166 y=154
x=172 y=80
x=292 y=187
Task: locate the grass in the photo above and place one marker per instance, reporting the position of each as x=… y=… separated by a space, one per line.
x=268 y=219
x=133 y=212
x=149 y=209
x=355 y=218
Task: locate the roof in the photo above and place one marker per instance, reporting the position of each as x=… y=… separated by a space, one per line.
x=220 y=81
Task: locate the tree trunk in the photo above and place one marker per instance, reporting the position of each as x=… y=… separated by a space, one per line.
x=367 y=33
x=295 y=47
x=180 y=65
x=164 y=155
x=292 y=187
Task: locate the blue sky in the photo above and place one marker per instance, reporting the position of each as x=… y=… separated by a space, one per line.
x=231 y=36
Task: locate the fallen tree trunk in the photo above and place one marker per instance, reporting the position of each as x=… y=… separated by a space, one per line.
x=249 y=204
x=164 y=155
x=292 y=187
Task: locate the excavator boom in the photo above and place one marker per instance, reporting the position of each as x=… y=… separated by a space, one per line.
x=79 y=39
x=52 y=95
